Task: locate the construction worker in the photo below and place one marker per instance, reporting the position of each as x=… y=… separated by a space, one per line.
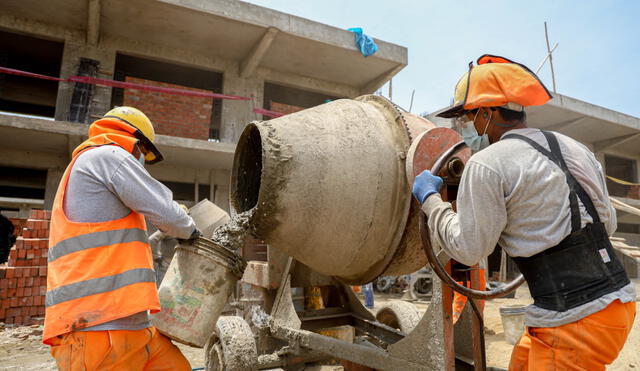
x=542 y=197
x=100 y=283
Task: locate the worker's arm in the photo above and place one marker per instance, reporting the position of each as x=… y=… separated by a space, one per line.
x=137 y=189
x=472 y=232
x=610 y=221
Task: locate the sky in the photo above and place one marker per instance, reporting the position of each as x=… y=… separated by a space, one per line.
x=597 y=59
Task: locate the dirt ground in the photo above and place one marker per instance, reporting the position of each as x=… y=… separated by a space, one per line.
x=21 y=347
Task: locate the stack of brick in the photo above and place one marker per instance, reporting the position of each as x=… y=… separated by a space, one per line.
x=18 y=225
x=23 y=283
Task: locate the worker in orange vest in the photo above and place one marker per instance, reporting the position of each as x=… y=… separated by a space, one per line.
x=101 y=283
x=543 y=197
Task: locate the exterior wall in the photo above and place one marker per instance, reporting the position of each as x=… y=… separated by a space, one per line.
x=235 y=115
x=180 y=116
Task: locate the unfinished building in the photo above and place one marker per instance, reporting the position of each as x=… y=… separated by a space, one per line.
x=281 y=62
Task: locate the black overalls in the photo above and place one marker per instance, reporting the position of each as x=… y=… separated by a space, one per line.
x=583 y=266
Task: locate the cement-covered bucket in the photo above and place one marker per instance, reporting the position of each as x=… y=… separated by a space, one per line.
x=195 y=289
x=329 y=187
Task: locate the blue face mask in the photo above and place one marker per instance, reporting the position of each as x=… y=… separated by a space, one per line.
x=141 y=159
x=471 y=137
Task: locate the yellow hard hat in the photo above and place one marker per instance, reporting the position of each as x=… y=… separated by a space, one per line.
x=144 y=133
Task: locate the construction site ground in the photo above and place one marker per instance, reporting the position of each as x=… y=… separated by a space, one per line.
x=21 y=347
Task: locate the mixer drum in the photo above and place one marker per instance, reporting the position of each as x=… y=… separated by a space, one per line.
x=330 y=189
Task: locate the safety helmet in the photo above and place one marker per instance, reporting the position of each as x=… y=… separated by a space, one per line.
x=496 y=82
x=144 y=131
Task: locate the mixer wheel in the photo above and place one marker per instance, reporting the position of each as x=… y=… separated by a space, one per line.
x=400 y=315
x=232 y=347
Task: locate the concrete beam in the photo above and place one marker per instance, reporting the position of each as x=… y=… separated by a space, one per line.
x=308 y=83
x=166 y=53
x=566 y=124
x=376 y=83
x=608 y=143
x=31 y=159
x=93 y=22
x=594 y=111
x=40 y=29
x=249 y=64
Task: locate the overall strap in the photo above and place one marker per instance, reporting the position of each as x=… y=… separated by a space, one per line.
x=574 y=184
x=575 y=189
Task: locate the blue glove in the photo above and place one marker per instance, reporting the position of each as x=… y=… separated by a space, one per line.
x=425 y=185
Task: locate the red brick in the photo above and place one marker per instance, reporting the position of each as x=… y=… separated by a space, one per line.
x=22 y=254
x=2 y=314
x=20 y=292
x=34 y=272
x=41 y=311
x=43 y=290
x=19 y=243
x=47 y=214
x=28 y=282
x=13 y=254
x=27 y=291
x=31 y=224
x=11 y=292
x=28 y=303
x=18 y=320
x=9 y=320
x=20 y=282
x=10 y=272
x=3 y=294
x=33 y=311
x=5 y=303
x=3 y=272
x=14 y=302
x=4 y=283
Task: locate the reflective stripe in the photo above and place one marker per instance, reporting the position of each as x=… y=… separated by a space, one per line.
x=98 y=285
x=96 y=239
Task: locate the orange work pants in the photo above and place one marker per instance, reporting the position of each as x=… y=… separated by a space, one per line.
x=459 y=300
x=144 y=349
x=587 y=344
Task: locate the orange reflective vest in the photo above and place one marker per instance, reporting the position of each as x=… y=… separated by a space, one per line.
x=97 y=272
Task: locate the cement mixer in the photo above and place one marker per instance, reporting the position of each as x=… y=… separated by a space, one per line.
x=328 y=190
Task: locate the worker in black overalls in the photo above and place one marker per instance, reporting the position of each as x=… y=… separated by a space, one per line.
x=542 y=197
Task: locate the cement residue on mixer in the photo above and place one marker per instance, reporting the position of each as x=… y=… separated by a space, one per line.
x=233 y=233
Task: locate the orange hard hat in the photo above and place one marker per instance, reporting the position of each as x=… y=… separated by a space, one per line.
x=496 y=82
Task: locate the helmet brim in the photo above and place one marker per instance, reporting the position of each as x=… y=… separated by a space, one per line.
x=451 y=111
x=152 y=154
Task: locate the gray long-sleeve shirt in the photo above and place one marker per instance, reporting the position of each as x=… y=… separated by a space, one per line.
x=107 y=183
x=513 y=195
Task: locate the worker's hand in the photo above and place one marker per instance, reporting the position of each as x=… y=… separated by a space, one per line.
x=194 y=236
x=196 y=233
x=425 y=185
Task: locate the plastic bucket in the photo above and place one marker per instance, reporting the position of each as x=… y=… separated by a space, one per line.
x=512 y=322
x=195 y=289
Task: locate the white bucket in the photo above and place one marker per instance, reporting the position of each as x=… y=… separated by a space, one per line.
x=195 y=289
x=512 y=322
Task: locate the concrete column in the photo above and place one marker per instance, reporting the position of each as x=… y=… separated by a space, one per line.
x=219 y=180
x=54 y=176
x=71 y=55
x=237 y=114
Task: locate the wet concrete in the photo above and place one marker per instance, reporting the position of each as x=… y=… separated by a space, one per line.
x=233 y=233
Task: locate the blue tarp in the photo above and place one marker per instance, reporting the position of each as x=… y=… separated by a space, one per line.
x=365 y=43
